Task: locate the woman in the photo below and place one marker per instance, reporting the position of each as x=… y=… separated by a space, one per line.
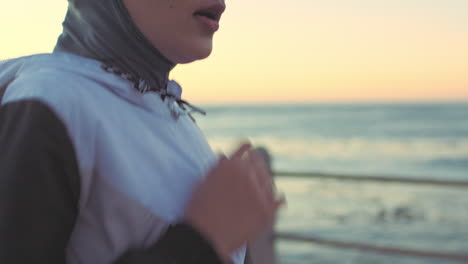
x=100 y=159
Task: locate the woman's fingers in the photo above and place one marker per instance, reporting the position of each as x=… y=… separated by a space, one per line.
x=262 y=174
x=235 y=202
x=281 y=201
x=241 y=151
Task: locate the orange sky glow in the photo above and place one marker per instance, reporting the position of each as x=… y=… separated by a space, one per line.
x=302 y=50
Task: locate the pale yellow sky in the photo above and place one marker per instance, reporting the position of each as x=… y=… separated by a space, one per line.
x=302 y=50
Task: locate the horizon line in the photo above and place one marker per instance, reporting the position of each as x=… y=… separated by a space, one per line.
x=337 y=102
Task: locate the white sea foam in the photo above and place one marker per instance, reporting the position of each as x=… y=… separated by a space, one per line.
x=352 y=149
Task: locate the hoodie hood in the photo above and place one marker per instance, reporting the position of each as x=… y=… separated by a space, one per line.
x=103 y=30
x=9 y=70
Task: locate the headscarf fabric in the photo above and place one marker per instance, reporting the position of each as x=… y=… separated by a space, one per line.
x=103 y=30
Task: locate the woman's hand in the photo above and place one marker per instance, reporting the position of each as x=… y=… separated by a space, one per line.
x=235 y=202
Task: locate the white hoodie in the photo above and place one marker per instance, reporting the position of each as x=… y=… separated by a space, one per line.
x=137 y=164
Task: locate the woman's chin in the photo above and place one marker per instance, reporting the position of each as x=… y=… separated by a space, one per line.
x=194 y=52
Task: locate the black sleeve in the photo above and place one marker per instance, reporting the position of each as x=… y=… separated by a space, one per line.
x=39 y=193
x=39 y=185
x=179 y=245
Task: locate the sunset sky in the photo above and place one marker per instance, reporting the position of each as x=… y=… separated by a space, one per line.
x=302 y=50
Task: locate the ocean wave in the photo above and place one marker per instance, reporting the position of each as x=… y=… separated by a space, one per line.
x=440 y=152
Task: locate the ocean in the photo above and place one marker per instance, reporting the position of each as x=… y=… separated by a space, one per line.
x=425 y=140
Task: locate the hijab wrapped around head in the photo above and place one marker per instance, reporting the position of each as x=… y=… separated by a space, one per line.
x=103 y=30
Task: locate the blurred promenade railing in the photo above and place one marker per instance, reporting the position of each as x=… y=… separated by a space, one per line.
x=356 y=178
x=263 y=250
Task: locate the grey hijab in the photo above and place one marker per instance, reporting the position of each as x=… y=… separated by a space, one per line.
x=103 y=30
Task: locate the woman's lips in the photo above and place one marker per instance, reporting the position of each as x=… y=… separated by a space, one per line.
x=210 y=15
x=210 y=24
